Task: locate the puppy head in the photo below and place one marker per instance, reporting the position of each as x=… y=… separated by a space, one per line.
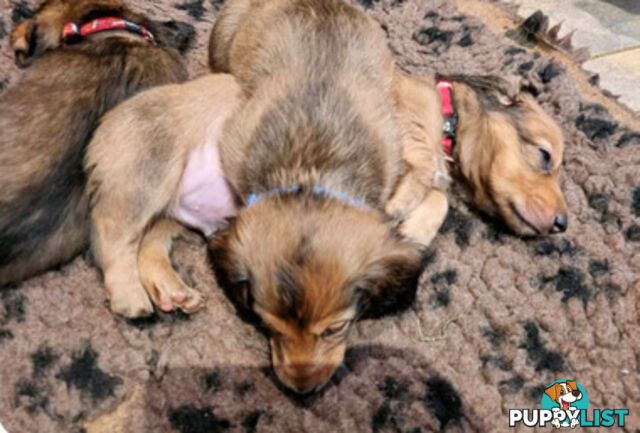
x=510 y=152
x=309 y=267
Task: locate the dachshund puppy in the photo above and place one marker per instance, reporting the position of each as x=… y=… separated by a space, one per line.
x=316 y=154
x=502 y=146
x=86 y=57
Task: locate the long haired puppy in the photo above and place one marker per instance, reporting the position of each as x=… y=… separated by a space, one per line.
x=500 y=144
x=76 y=74
x=315 y=153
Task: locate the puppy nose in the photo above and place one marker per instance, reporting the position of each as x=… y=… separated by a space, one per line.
x=560 y=223
x=575 y=392
x=304 y=389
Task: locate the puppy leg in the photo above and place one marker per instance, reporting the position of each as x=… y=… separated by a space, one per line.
x=162 y=283
x=423 y=222
x=130 y=186
x=115 y=247
x=421 y=126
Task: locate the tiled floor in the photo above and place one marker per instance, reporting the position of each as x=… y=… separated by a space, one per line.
x=611 y=31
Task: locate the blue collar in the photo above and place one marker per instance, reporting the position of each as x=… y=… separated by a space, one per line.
x=318 y=190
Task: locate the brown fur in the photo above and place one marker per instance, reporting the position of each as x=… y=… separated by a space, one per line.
x=296 y=118
x=48 y=118
x=500 y=133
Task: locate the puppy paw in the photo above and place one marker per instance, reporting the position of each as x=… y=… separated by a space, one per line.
x=423 y=223
x=169 y=292
x=406 y=198
x=169 y=298
x=131 y=302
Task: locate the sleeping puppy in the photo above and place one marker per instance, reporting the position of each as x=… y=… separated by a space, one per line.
x=316 y=154
x=502 y=146
x=311 y=154
x=47 y=119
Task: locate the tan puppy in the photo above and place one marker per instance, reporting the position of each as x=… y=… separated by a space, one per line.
x=507 y=151
x=316 y=151
x=48 y=117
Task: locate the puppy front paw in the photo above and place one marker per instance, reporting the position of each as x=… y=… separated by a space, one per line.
x=130 y=302
x=167 y=290
x=423 y=223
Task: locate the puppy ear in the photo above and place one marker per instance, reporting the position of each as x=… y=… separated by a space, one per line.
x=232 y=275
x=552 y=391
x=31 y=39
x=493 y=90
x=391 y=281
x=572 y=384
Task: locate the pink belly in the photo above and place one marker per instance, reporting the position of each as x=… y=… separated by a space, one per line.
x=205 y=199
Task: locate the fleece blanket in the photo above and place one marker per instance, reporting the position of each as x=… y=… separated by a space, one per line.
x=497 y=318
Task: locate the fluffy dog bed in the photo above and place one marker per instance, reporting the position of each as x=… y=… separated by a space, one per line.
x=505 y=316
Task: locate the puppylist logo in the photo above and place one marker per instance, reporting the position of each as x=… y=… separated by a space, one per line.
x=565 y=404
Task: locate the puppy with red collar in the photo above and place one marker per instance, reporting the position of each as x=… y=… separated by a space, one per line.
x=84 y=57
x=564 y=394
x=499 y=144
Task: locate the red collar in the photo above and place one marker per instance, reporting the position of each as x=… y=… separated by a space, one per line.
x=445 y=86
x=72 y=31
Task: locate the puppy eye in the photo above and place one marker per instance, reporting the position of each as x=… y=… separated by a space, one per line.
x=334 y=329
x=546 y=159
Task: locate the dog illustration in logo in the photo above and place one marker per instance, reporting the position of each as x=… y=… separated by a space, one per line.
x=564 y=394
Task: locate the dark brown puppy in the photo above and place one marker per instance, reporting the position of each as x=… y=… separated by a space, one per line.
x=316 y=153
x=48 y=118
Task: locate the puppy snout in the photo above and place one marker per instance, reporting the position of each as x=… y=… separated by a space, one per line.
x=305 y=378
x=560 y=224
x=576 y=393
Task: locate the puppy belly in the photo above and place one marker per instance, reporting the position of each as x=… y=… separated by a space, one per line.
x=205 y=199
